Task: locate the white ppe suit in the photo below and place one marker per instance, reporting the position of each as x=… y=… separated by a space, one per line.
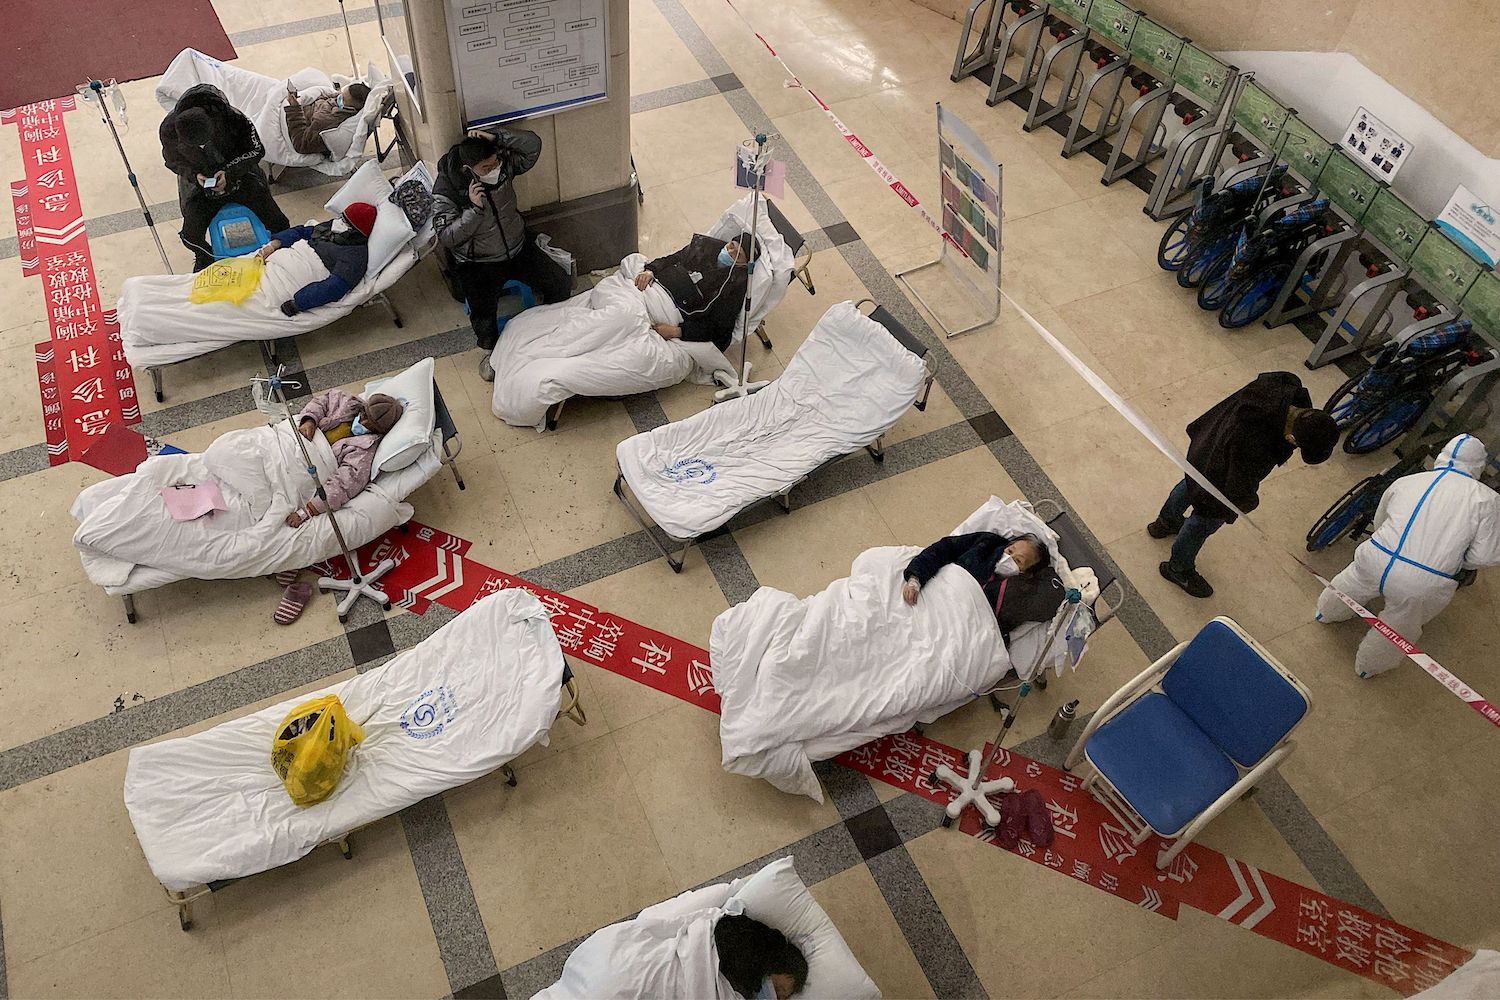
x=1429 y=527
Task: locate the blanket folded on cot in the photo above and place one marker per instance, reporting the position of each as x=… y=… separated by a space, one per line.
x=598 y=343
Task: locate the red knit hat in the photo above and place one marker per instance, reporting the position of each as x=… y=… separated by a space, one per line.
x=361 y=215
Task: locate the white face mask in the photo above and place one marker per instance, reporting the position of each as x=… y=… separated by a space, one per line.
x=340 y=226
x=493 y=177
x=1007 y=566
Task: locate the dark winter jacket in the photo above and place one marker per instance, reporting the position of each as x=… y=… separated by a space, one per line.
x=495 y=232
x=306 y=123
x=711 y=305
x=1240 y=441
x=1029 y=597
x=235 y=147
x=346 y=255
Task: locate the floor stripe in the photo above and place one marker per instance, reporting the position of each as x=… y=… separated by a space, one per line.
x=668 y=96
x=462 y=940
x=307 y=26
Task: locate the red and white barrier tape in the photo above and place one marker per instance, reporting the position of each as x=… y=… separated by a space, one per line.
x=1445 y=677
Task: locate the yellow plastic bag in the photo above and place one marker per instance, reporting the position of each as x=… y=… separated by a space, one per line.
x=229 y=280
x=310 y=748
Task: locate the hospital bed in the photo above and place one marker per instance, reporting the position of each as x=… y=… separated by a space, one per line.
x=159 y=326
x=801 y=259
x=209 y=810
x=848 y=384
x=261 y=98
x=376 y=510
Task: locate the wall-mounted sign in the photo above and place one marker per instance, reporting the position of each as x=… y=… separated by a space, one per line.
x=1471 y=223
x=516 y=58
x=1375 y=146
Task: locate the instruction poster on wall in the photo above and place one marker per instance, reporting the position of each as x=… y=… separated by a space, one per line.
x=519 y=58
x=1375 y=145
x=1471 y=223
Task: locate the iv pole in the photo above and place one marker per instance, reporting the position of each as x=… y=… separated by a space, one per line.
x=94 y=91
x=357 y=585
x=743 y=386
x=353 y=63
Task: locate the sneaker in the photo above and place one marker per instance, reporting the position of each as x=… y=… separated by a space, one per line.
x=486 y=370
x=1160 y=529
x=1192 y=581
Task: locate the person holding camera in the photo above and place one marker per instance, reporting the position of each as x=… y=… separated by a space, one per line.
x=480 y=226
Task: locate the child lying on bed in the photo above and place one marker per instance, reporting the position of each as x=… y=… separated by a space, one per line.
x=354 y=427
x=342 y=246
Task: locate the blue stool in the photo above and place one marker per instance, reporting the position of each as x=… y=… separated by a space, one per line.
x=236 y=231
x=518 y=288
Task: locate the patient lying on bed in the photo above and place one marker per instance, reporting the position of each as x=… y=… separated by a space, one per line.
x=1015 y=574
x=354 y=427
x=342 y=246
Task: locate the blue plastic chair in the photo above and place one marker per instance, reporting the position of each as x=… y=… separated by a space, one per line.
x=1192 y=734
x=236 y=231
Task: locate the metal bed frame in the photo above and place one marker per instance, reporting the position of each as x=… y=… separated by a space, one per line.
x=876 y=448
x=443 y=421
x=572 y=709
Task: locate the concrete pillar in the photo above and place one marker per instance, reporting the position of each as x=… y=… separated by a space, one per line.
x=442 y=120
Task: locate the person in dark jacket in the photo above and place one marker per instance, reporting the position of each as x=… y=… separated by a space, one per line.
x=1236 y=445
x=707 y=281
x=215 y=152
x=477 y=221
x=306 y=123
x=342 y=244
x=1015 y=574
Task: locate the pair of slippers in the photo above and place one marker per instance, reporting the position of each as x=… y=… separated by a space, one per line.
x=1024 y=815
x=294 y=596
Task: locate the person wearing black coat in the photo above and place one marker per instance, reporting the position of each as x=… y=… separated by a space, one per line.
x=1236 y=445
x=1015 y=574
x=707 y=281
x=215 y=152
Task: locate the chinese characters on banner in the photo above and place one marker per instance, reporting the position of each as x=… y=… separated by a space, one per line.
x=85 y=381
x=1090 y=845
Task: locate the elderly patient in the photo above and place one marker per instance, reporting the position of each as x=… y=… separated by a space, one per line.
x=707 y=281
x=1015 y=574
x=342 y=246
x=354 y=427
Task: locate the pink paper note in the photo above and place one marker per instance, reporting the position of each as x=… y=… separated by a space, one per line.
x=193 y=500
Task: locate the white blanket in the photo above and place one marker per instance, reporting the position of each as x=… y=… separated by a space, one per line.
x=805 y=680
x=128 y=542
x=846 y=385
x=669 y=957
x=469 y=698
x=598 y=343
x=159 y=326
x=262 y=98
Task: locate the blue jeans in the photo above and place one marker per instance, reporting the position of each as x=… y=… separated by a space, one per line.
x=1192 y=531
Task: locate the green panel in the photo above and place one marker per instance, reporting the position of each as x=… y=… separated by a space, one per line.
x=1260 y=114
x=1076 y=10
x=1482 y=304
x=1155 y=48
x=1201 y=75
x=1304 y=150
x=1444 y=266
x=1346 y=184
x=1394 y=223
x=1113 y=21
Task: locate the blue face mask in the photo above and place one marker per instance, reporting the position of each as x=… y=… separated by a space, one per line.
x=339 y=100
x=767 y=991
x=724 y=259
x=358 y=427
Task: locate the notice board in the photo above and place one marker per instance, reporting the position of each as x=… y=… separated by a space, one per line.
x=519 y=58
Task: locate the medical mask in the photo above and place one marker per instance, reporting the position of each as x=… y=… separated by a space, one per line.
x=493 y=177
x=338 y=101
x=1007 y=566
x=767 y=991
x=358 y=427
x=724 y=259
x=340 y=226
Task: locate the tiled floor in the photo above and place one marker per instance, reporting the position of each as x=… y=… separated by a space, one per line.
x=480 y=891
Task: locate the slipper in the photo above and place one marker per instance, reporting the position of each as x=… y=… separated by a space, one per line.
x=293 y=600
x=1012 y=819
x=1038 y=819
x=287 y=577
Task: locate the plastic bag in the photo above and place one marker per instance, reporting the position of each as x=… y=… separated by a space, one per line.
x=311 y=746
x=232 y=280
x=560 y=257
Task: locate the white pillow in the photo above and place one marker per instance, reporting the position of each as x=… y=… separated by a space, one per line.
x=339 y=138
x=392 y=231
x=771 y=280
x=365 y=184
x=778 y=898
x=412 y=435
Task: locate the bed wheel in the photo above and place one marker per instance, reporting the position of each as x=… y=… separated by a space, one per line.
x=159 y=396
x=130 y=617
x=997 y=704
x=1041 y=681
x=183 y=919
x=878 y=456
x=398 y=322
x=510 y=775
x=346 y=849
x=676 y=566
x=947 y=821
x=386 y=606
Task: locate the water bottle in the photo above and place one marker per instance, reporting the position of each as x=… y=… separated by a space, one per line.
x=1063 y=720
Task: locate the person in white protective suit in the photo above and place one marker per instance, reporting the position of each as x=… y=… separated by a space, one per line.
x=1429 y=528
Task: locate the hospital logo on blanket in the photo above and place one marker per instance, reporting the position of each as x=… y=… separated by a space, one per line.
x=690 y=470
x=430 y=713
